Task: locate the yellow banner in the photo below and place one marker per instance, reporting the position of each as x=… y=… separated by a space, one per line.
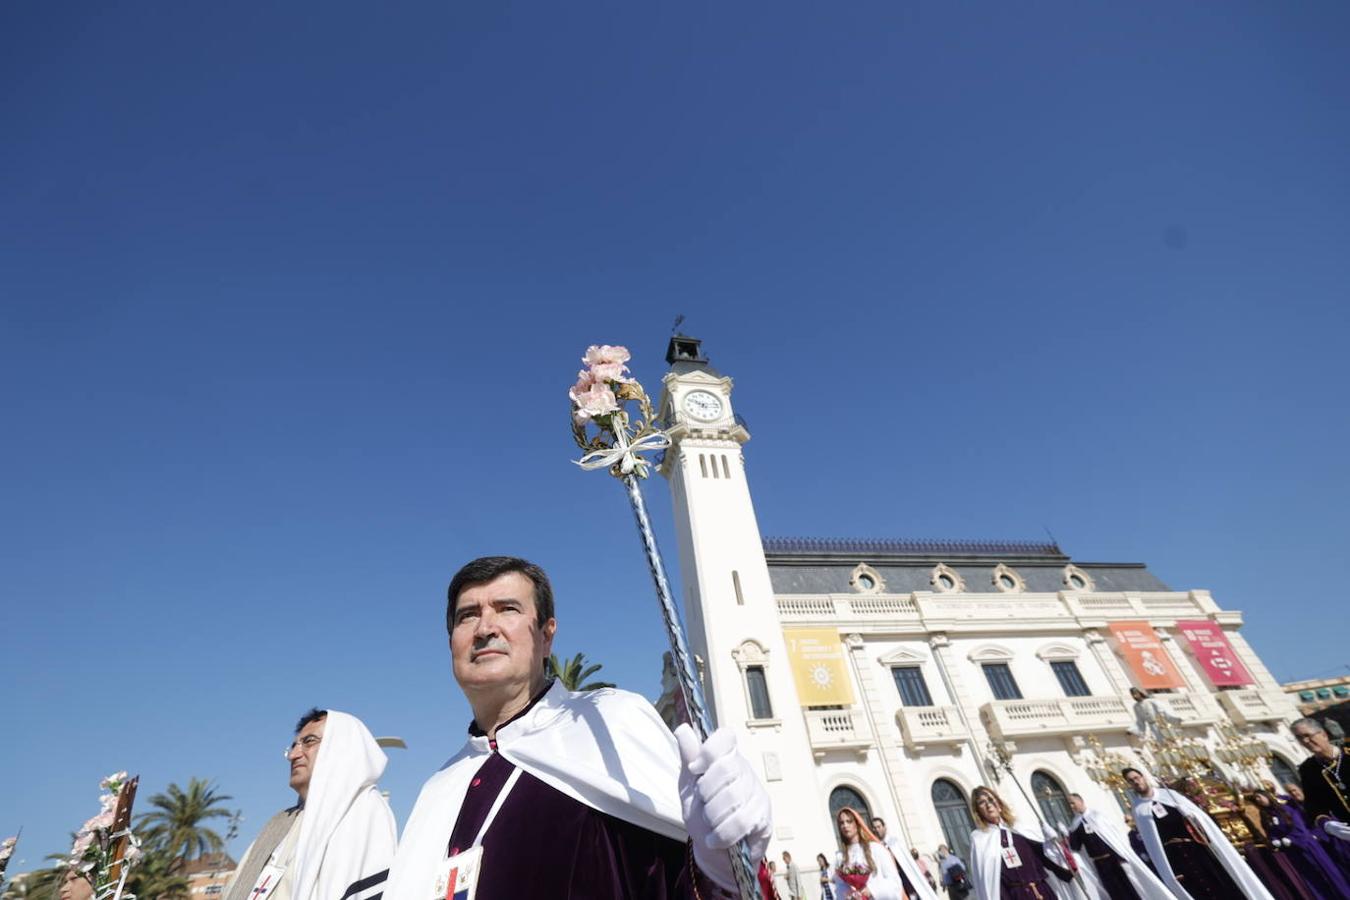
x=817 y=659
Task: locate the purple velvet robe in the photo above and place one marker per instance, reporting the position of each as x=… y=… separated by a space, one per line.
x=1110 y=868
x=1029 y=880
x=1309 y=857
x=543 y=845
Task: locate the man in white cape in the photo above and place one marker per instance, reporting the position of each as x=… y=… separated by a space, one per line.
x=337 y=842
x=915 y=884
x=1192 y=855
x=1103 y=849
x=561 y=794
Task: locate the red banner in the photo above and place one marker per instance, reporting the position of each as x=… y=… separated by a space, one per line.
x=1146 y=656
x=1214 y=653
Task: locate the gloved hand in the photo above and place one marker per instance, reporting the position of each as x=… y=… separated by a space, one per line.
x=1338 y=830
x=723 y=801
x=1048 y=832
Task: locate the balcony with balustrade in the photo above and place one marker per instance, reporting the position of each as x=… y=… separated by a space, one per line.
x=838 y=729
x=1191 y=707
x=1006 y=719
x=1255 y=706
x=924 y=726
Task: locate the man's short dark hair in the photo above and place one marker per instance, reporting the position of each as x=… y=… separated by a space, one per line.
x=876 y=819
x=1124 y=773
x=313 y=715
x=485 y=569
x=1079 y=796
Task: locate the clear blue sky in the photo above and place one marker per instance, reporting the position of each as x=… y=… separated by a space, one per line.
x=290 y=297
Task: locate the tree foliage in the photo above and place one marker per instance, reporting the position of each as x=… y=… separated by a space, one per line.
x=574 y=672
x=176 y=822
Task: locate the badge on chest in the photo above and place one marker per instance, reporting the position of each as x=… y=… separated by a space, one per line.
x=1010 y=858
x=267 y=882
x=457 y=876
x=1159 y=810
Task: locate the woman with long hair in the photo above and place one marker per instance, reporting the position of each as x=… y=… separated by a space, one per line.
x=864 y=869
x=1006 y=864
x=826 y=890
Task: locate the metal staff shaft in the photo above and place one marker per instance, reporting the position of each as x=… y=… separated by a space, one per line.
x=1006 y=766
x=684 y=667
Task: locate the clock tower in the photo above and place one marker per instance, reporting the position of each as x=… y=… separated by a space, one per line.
x=729 y=602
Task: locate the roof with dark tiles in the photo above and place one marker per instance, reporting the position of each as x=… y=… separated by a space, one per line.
x=824 y=565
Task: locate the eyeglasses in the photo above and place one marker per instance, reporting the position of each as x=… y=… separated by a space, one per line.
x=308 y=742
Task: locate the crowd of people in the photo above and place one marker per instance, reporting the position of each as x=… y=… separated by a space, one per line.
x=559 y=794
x=1296 y=846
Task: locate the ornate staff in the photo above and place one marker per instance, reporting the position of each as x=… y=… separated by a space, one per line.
x=105 y=848
x=598 y=398
x=1000 y=762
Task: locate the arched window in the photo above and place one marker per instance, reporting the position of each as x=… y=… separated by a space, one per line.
x=846 y=796
x=758 y=688
x=1052 y=800
x=1284 y=773
x=954 y=814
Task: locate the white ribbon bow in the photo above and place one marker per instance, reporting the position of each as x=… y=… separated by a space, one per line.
x=624 y=453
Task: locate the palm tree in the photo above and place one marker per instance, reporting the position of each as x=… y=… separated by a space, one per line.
x=175 y=825
x=574 y=672
x=157 y=877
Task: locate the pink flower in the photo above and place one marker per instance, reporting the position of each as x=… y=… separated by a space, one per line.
x=132 y=854
x=81 y=846
x=108 y=802
x=584 y=383
x=599 y=400
x=609 y=372
x=113 y=782
x=606 y=354
x=103 y=820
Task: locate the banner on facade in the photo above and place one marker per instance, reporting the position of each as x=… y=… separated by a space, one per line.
x=1214 y=653
x=1145 y=655
x=817 y=659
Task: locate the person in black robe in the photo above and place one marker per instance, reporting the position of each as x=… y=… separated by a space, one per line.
x=1110 y=867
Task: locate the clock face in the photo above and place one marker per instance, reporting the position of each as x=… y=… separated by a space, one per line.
x=702 y=405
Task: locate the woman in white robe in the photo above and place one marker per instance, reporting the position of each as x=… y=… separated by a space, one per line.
x=860 y=847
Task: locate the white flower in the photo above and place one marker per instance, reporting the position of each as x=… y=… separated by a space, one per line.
x=113 y=782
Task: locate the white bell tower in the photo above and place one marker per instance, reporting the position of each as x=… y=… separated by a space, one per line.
x=729 y=602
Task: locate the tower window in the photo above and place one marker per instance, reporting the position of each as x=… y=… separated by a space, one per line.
x=757 y=686
x=736 y=585
x=703 y=464
x=726 y=469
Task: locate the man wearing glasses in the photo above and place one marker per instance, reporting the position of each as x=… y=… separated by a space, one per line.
x=337 y=841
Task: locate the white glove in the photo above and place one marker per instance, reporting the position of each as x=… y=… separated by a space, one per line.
x=1049 y=833
x=723 y=801
x=1338 y=830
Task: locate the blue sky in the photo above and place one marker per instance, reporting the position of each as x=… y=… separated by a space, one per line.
x=290 y=298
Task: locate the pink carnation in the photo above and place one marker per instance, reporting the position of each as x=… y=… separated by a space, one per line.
x=599 y=400
x=82 y=845
x=609 y=372
x=113 y=782
x=584 y=383
x=605 y=354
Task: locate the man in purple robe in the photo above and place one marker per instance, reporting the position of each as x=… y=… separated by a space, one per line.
x=1192 y=855
x=1287 y=832
x=1326 y=786
x=559 y=794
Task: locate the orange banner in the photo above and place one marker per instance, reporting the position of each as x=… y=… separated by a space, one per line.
x=1138 y=643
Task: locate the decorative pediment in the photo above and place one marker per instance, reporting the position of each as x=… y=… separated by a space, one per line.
x=1051 y=652
x=902 y=656
x=990 y=653
x=750 y=653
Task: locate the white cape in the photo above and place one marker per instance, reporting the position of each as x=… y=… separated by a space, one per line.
x=348 y=834
x=1236 y=866
x=607 y=749
x=910 y=867
x=986 y=864
x=1145 y=883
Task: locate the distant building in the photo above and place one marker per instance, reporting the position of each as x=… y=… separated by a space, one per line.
x=208 y=874
x=1317 y=694
x=889 y=675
